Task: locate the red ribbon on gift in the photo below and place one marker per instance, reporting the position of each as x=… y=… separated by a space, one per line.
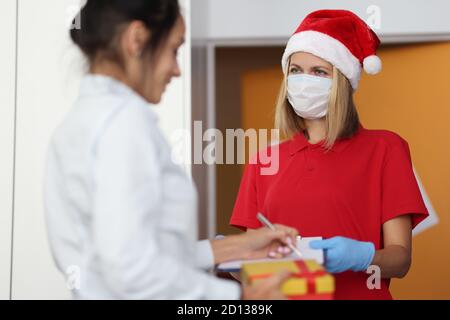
x=309 y=276
x=304 y=273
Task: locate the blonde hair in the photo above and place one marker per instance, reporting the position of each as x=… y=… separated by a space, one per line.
x=342 y=119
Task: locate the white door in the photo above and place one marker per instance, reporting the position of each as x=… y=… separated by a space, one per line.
x=49 y=69
x=7 y=107
x=48 y=77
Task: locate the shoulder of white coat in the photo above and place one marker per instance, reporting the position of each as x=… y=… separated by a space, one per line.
x=130 y=114
x=129 y=122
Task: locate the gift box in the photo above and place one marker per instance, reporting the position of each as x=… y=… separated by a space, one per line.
x=309 y=280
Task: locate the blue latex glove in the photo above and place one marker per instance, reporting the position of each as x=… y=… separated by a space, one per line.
x=343 y=254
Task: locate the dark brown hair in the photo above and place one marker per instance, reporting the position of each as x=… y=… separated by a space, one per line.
x=101 y=22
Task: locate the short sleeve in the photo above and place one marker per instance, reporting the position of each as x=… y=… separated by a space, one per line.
x=246 y=206
x=400 y=191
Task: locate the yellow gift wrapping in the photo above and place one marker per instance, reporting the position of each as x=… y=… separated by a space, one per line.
x=308 y=281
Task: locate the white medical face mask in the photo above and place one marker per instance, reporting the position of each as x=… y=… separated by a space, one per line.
x=309 y=95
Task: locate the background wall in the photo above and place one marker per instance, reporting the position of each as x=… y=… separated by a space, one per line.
x=231 y=64
x=410 y=96
x=48 y=75
x=268 y=20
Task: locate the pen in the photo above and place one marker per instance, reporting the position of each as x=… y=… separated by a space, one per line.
x=269 y=225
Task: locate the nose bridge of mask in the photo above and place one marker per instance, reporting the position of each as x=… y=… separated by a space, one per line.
x=309 y=80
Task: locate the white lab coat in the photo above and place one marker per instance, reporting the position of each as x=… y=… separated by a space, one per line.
x=121 y=216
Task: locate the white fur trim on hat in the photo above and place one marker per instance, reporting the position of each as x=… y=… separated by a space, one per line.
x=327 y=48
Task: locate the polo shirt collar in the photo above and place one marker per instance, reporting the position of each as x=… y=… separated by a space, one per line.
x=299 y=142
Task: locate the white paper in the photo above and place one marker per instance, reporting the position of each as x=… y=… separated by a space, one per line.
x=433 y=218
x=302 y=245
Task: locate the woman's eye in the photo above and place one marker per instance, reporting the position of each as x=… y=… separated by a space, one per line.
x=321 y=73
x=293 y=70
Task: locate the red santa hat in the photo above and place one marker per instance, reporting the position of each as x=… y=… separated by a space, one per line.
x=339 y=37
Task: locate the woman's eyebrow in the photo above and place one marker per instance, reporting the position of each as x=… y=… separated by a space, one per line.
x=314 y=67
x=321 y=67
x=295 y=65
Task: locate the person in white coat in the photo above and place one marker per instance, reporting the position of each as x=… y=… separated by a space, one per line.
x=118 y=209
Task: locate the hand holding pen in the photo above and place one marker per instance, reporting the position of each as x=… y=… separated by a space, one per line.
x=268 y=224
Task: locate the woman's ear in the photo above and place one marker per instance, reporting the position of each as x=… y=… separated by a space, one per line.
x=134 y=39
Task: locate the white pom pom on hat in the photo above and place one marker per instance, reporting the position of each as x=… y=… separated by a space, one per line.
x=339 y=37
x=372 y=64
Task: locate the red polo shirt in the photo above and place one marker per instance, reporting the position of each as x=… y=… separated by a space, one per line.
x=350 y=191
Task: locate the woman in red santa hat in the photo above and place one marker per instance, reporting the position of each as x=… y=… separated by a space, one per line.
x=353 y=186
